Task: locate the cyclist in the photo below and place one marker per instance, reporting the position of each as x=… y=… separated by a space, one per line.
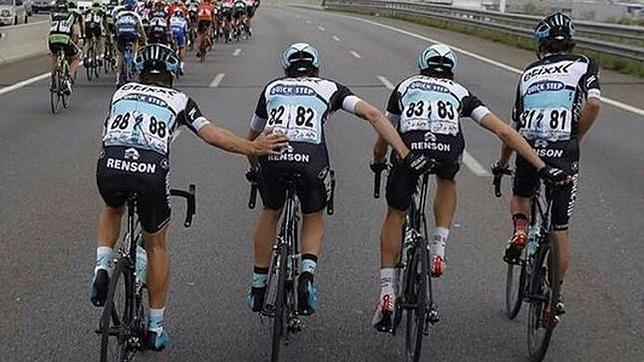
x=227 y=17
x=205 y=13
x=129 y=30
x=426 y=109
x=63 y=35
x=250 y=12
x=159 y=30
x=137 y=135
x=239 y=15
x=179 y=26
x=95 y=22
x=299 y=105
x=557 y=101
x=78 y=17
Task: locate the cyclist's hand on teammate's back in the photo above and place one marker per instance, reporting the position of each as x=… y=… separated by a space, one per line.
x=269 y=144
x=418 y=163
x=554 y=175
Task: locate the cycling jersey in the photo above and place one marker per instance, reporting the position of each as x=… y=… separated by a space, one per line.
x=60 y=34
x=179 y=30
x=94 y=22
x=205 y=12
x=137 y=134
x=426 y=111
x=550 y=96
x=127 y=22
x=299 y=108
x=158 y=30
x=548 y=105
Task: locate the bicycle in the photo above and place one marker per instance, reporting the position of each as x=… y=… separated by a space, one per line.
x=280 y=301
x=127 y=70
x=57 y=90
x=92 y=67
x=123 y=319
x=533 y=277
x=109 y=55
x=415 y=297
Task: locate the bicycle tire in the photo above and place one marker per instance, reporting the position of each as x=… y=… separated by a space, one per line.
x=540 y=315
x=114 y=327
x=279 y=324
x=417 y=317
x=89 y=67
x=54 y=96
x=514 y=289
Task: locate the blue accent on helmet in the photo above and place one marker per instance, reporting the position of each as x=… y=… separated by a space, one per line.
x=300 y=53
x=438 y=57
x=556 y=26
x=157 y=58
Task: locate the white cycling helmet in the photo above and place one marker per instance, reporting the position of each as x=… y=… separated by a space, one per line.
x=301 y=55
x=438 y=57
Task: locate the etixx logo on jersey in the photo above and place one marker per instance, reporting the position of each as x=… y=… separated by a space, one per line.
x=560 y=68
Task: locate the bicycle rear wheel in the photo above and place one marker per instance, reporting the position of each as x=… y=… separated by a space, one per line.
x=514 y=285
x=417 y=294
x=54 y=92
x=279 y=317
x=545 y=293
x=89 y=68
x=117 y=314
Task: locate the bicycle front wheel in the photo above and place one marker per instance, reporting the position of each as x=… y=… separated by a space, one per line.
x=54 y=92
x=545 y=293
x=418 y=295
x=117 y=315
x=514 y=284
x=89 y=68
x=279 y=305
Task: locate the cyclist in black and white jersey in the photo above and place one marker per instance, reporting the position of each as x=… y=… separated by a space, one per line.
x=557 y=101
x=299 y=106
x=426 y=109
x=142 y=121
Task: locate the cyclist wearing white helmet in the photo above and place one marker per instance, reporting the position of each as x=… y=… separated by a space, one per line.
x=138 y=131
x=426 y=110
x=563 y=90
x=299 y=105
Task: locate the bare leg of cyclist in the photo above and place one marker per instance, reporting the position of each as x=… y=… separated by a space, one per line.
x=312 y=233
x=390 y=245
x=520 y=209
x=563 y=241
x=73 y=66
x=262 y=247
x=444 y=210
x=312 y=236
x=109 y=225
x=101 y=48
x=158 y=277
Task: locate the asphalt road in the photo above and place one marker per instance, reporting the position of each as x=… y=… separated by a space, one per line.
x=49 y=205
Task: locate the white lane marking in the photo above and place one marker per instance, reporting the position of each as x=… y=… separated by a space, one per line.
x=309 y=22
x=321 y=28
x=237 y=52
x=386 y=82
x=335 y=37
x=609 y=101
x=355 y=54
x=474 y=165
x=23 y=83
x=218 y=78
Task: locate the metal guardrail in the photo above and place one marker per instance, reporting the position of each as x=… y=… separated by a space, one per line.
x=512 y=24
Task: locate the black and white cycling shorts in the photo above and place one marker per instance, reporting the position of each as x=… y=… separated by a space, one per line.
x=447 y=150
x=563 y=155
x=121 y=171
x=311 y=162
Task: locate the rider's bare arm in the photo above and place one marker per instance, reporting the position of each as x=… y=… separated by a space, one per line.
x=588 y=116
x=382 y=125
x=226 y=140
x=512 y=139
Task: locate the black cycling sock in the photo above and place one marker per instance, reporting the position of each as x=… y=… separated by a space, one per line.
x=310 y=257
x=259 y=270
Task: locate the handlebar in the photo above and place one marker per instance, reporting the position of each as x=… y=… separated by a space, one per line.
x=253 y=195
x=377 y=169
x=190 y=200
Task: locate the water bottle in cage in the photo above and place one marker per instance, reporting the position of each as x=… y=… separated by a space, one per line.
x=141 y=265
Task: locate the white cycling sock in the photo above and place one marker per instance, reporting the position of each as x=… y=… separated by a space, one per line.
x=387 y=279
x=439 y=237
x=104 y=258
x=155 y=322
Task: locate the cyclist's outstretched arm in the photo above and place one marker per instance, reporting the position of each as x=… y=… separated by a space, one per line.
x=226 y=140
x=380 y=149
x=382 y=125
x=588 y=116
x=512 y=140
